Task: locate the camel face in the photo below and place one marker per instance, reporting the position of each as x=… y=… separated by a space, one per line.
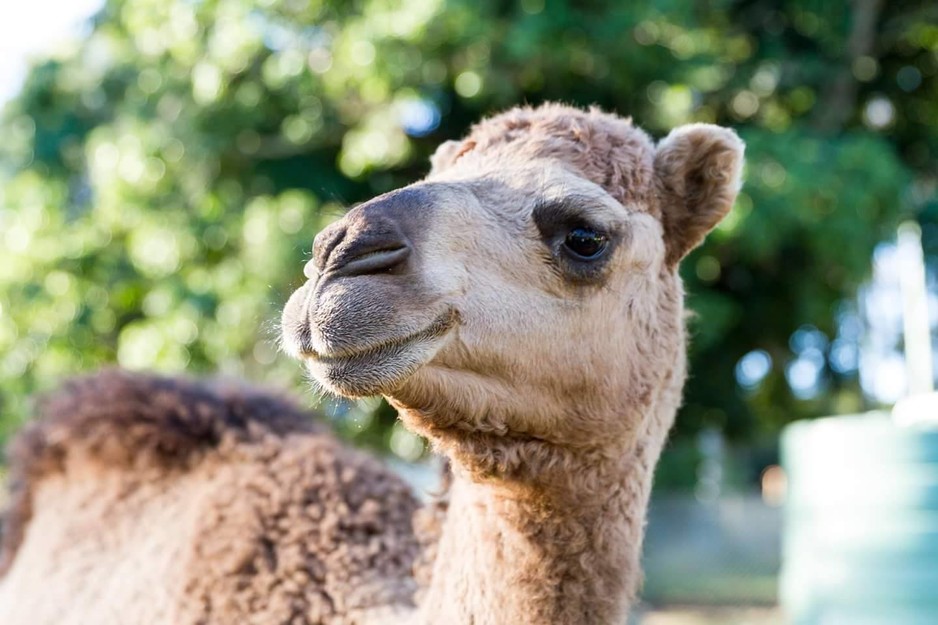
x=526 y=286
x=492 y=275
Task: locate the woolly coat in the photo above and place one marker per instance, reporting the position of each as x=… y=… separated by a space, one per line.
x=156 y=501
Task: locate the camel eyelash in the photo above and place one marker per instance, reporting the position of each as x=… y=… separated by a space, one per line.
x=556 y=217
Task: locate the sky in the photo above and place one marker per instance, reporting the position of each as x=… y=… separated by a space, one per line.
x=35 y=27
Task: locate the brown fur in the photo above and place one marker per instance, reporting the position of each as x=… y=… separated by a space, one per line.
x=604 y=148
x=132 y=423
x=272 y=520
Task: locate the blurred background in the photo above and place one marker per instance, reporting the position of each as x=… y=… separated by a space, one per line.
x=165 y=164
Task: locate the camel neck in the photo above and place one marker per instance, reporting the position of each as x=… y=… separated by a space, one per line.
x=524 y=553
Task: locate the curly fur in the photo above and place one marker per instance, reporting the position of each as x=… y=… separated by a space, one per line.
x=604 y=148
x=123 y=421
x=267 y=518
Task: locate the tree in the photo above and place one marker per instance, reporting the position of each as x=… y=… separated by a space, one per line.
x=163 y=179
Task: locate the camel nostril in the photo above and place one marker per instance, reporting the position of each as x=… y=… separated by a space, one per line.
x=370 y=239
x=373 y=261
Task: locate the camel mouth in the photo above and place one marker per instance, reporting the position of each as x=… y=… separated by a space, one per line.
x=440 y=326
x=379 y=368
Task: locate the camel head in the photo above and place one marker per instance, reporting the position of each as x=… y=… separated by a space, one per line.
x=527 y=288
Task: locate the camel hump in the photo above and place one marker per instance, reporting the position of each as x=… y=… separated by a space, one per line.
x=131 y=420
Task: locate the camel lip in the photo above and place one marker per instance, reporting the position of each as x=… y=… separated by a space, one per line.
x=438 y=328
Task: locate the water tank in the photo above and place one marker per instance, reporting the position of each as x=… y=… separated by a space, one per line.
x=860 y=543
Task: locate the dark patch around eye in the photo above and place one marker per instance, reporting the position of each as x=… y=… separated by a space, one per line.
x=554 y=221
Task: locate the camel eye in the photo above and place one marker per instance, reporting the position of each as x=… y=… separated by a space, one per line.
x=584 y=243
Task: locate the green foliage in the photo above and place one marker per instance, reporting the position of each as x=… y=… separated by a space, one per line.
x=163 y=178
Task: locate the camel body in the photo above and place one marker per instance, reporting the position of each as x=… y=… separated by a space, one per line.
x=156 y=501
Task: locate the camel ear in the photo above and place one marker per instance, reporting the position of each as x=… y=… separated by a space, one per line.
x=698 y=174
x=445 y=155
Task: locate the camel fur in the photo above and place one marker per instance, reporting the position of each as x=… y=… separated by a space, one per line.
x=145 y=500
x=547 y=378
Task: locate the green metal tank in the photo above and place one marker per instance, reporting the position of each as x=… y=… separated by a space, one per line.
x=861 y=522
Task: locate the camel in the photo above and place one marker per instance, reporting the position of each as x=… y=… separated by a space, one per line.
x=520 y=307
